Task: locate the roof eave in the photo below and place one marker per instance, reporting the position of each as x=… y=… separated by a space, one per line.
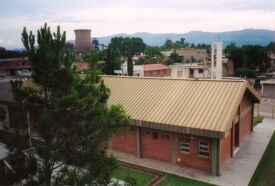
x=179 y=129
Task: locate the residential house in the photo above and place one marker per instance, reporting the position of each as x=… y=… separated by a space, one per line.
x=192 y=54
x=148 y=70
x=156 y=70
x=9 y=66
x=193 y=70
x=268 y=88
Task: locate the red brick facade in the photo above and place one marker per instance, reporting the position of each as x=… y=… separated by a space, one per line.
x=246 y=121
x=192 y=159
x=125 y=141
x=245 y=128
x=226 y=148
x=158 y=145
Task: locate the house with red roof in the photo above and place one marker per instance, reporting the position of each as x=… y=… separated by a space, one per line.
x=156 y=70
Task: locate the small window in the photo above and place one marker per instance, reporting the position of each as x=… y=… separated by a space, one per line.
x=148 y=134
x=204 y=148
x=185 y=145
x=179 y=73
x=132 y=130
x=200 y=71
x=155 y=135
x=165 y=137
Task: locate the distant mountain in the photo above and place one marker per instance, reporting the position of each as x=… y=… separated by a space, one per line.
x=240 y=37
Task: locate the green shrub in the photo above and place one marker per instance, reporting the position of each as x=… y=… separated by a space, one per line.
x=131 y=180
x=245 y=72
x=257 y=120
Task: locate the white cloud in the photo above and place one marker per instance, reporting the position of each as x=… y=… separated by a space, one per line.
x=107 y=17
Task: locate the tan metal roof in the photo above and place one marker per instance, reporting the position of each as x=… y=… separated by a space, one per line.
x=193 y=106
x=198 y=107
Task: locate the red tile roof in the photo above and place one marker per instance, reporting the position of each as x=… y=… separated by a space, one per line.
x=153 y=67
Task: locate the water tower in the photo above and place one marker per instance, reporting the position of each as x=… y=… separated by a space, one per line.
x=216 y=60
x=83 y=41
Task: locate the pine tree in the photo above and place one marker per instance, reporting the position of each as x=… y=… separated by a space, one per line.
x=71 y=112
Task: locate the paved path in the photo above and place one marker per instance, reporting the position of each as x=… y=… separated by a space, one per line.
x=237 y=171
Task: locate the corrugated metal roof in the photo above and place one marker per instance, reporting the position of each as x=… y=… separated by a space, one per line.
x=199 y=107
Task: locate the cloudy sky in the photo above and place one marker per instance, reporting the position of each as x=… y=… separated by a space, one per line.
x=106 y=17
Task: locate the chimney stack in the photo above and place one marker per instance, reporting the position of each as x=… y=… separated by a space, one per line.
x=83 y=41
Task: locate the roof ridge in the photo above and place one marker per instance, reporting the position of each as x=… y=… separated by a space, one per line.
x=170 y=78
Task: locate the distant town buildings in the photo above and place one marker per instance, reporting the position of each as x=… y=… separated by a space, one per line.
x=272 y=60
x=193 y=70
x=268 y=88
x=148 y=70
x=137 y=70
x=192 y=54
x=9 y=66
x=156 y=70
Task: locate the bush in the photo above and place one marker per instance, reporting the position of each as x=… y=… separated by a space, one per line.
x=245 y=72
x=130 y=180
x=257 y=120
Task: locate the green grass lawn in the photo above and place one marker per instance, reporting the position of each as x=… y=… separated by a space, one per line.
x=257 y=120
x=265 y=172
x=142 y=178
x=173 y=180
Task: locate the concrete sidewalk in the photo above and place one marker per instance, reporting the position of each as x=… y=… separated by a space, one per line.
x=237 y=171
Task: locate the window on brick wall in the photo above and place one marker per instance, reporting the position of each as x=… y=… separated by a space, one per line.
x=185 y=145
x=147 y=134
x=132 y=130
x=155 y=135
x=204 y=148
x=165 y=137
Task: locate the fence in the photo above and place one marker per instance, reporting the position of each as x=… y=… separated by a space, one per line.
x=265 y=109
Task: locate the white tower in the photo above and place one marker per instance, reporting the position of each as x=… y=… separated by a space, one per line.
x=216 y=60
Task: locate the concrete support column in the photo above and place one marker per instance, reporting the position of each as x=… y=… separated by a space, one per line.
x=216 y=157
x=138 y=142
x=232 y=139
x=240 y=117
x=252 y=114
x=174 y=148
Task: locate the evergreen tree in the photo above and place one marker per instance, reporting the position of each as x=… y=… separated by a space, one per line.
x=112 y=61
x=70 y=112
x=128 y=47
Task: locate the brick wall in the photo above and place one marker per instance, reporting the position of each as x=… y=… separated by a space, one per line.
x=125 y=141
x=225 y=148
x=245 y=124
x=192 y=159
x=245 y=127
x=156 y=145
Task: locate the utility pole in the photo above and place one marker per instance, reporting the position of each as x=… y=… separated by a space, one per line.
x=29 y=130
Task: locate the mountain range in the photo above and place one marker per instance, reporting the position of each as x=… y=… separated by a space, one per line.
x=240 y=37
